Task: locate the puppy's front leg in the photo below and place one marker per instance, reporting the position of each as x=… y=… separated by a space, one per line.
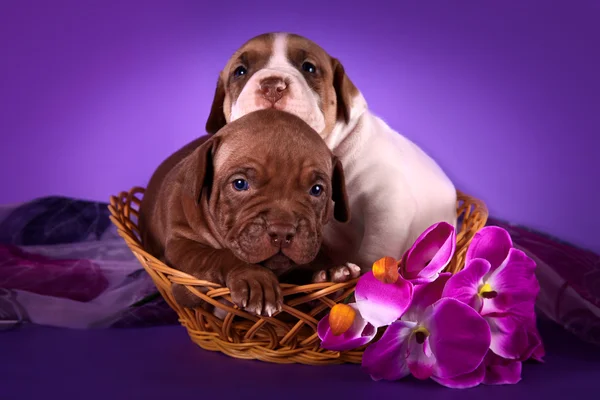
x=253 y=288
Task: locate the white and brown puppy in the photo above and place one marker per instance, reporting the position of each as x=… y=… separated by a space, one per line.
x=395 y=189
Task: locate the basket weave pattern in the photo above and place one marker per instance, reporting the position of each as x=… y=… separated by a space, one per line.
x=289 y=337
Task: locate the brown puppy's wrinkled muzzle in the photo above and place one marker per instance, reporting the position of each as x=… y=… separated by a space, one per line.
x=277 y=238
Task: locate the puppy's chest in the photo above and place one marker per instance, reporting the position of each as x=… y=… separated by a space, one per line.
x=342 y=241
x=380 y=203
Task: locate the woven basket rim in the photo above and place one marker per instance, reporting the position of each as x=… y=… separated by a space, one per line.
x=235 y=335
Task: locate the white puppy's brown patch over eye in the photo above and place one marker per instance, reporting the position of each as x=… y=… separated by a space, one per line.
x=309 y=67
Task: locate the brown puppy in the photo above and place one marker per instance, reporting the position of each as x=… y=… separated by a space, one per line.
x=244 y=207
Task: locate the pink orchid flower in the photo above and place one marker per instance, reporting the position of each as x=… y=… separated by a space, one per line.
x=499 y=282
x=496 y=277
x=359 y=333
x=430 y=254
x=382 y=296
x=438 y=338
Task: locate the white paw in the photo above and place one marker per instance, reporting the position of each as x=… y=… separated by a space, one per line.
x=339 y=274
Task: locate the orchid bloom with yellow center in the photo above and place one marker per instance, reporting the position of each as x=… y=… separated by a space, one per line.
x=499 y=282
x=429 y=341
x=486 y=291
x=496 y=277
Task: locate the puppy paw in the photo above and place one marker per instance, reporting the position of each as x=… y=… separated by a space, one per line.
x=338 y=274
x=219 y=312
x=256 y=290
x=184 y=297
x=187 y=299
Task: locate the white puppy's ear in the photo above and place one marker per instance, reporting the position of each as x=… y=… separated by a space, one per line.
x=345 y=90
x=216 y=119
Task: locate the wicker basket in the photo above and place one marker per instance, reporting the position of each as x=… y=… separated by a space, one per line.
x=289 y=337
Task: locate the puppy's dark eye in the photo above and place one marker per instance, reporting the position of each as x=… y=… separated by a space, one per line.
x=308 y=67
x=239 y=71
x=316 y=190
x=241 y=185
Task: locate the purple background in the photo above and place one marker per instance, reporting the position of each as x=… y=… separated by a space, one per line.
x=94 y=94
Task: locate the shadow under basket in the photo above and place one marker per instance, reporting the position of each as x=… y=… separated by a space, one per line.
x=288 y=337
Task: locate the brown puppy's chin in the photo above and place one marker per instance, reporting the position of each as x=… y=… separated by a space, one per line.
x=279 y=264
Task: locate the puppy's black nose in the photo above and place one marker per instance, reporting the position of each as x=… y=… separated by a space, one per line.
x=272 y=89
x=281 y=235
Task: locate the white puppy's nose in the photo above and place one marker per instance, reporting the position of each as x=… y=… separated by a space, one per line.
x=273 y=88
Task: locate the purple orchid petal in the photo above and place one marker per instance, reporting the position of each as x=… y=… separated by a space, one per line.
x=460 y=337
x=425 y=295
x=491 y=243
x=382 y=303
x=500 y=371
x=464 y=285
x=535 y=349
x=359 y=334
x=420 y=360
x=514 y=282
x=524 y=316
x=539 y=352
x=465 y=381
x=386 y=358
x=509 y=335
x=430 y=254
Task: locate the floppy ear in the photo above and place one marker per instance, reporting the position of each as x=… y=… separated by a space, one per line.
x=341 y=207
x=344 y=90
x=216 y=118
x=199 y=170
